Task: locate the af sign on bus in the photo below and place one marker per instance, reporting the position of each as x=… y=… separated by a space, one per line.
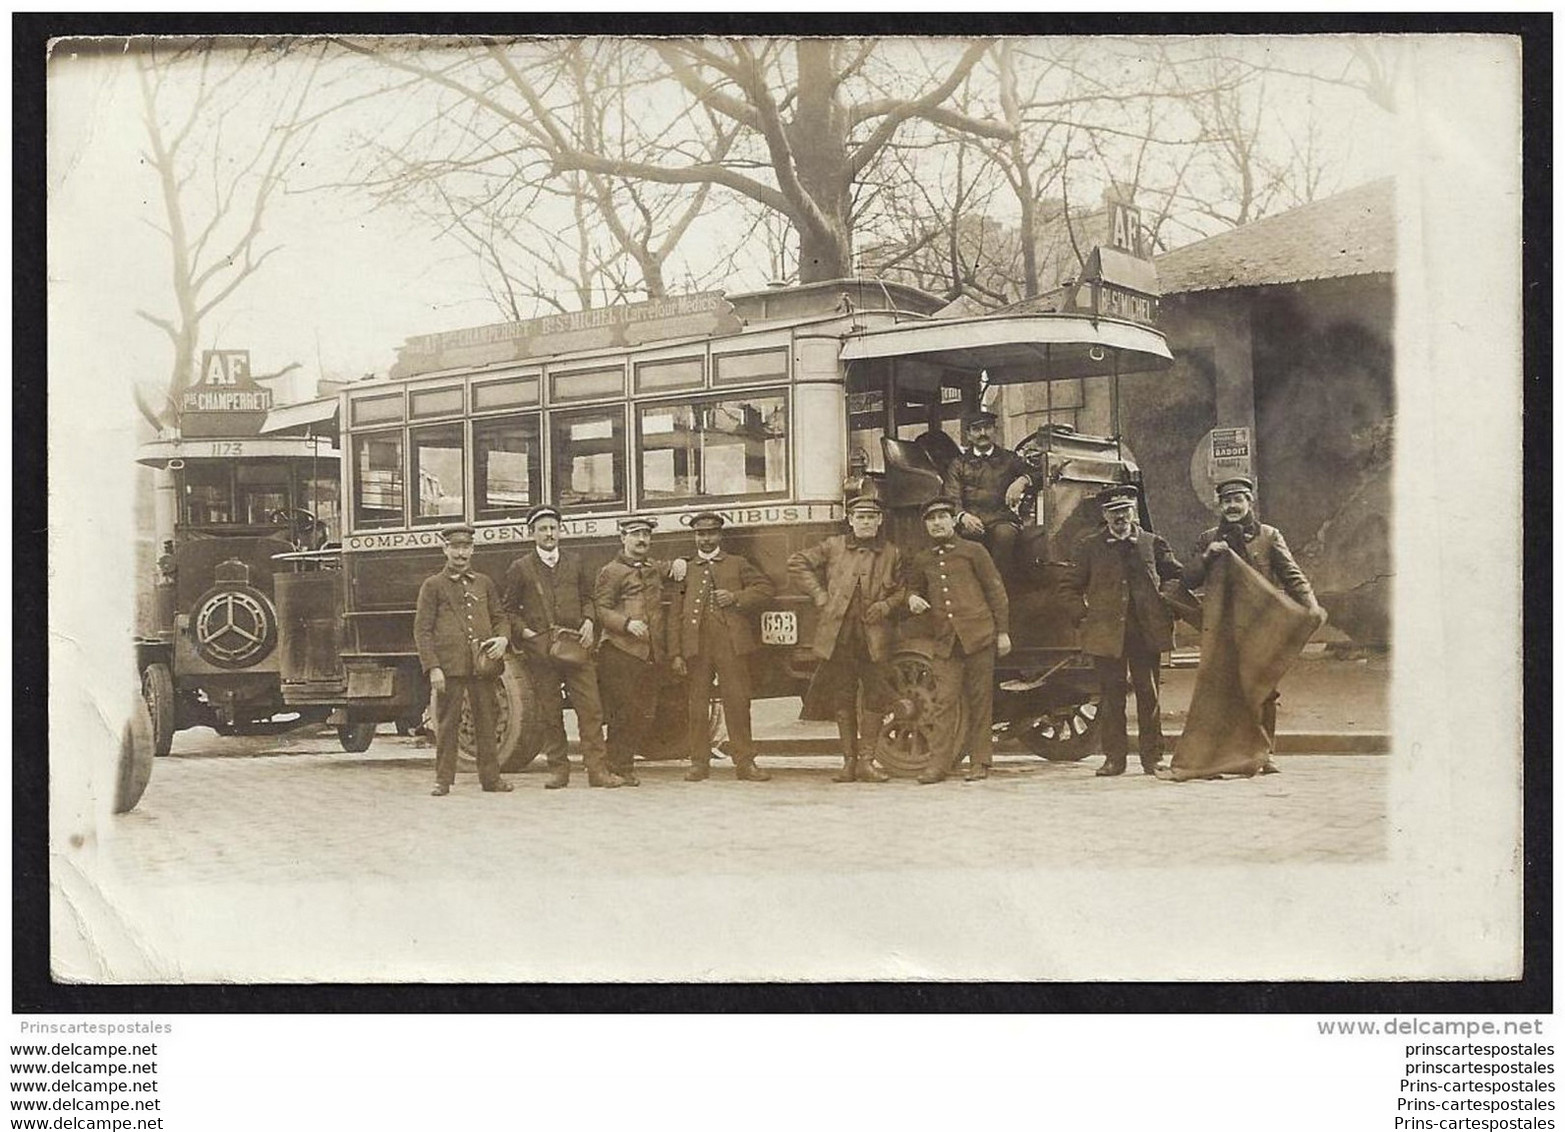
x=225 y=401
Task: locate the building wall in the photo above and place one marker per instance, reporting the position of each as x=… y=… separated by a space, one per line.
x=1309 y=368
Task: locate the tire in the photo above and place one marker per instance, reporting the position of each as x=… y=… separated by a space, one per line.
x=1066 y=735
x=510 y=717
x=135 y=764
x=356 y=737
x=157 y=689
x=925 y=720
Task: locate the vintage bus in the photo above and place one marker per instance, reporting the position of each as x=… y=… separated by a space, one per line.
x=770 y=407
x=240 y=484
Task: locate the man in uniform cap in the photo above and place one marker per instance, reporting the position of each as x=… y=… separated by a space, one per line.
x=1263 y=548
x=986 y=482
x=712 y=632
x=855 y=581
x=959 y=602
x=1121 y=570
x=629 y=599
x=458 y=609
x=548 y=599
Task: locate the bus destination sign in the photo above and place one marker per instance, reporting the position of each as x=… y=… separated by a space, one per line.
x=600 y=328
x=225 y=400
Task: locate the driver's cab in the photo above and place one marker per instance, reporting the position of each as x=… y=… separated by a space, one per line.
x=274 y=498
x=905 y=429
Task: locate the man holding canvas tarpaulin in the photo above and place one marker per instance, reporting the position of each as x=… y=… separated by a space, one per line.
x=1258 y=612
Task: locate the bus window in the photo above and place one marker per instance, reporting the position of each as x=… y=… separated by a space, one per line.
x=377 y=480
x=319 y=496
x=732 y=448
x=209 y=494
x=587 y=454
x=263 y=491
x=437 y=469
x=508 y=477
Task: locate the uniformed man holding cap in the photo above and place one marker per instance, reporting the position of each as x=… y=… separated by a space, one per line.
x=1121 y=571
x=986 y=482
x=459 y=614
x=629 y=599
x=959 y=603
x=1263 y=548
x=712 y=632
x=855 y=581
x=548 y=599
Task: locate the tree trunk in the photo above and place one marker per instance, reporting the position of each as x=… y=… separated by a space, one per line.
x=818 y=136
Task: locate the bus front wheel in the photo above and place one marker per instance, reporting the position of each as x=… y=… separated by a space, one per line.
x=356 y=737
x=1067 y=734
x=157 y=688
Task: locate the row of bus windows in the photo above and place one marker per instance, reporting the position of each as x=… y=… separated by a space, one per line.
x=725 y=448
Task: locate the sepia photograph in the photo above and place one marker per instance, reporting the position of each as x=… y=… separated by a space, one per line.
x=711 y=509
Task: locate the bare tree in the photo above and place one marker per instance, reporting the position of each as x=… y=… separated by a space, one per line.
x=790 y=125
x=217 y=174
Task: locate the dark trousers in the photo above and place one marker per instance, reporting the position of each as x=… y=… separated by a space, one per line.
x=862 y=693
x=630 y=704
x=1142 y=660
x=717 y=658
x=1000 y=540
x=480 y=692
x=967 y=687
x=547 y=728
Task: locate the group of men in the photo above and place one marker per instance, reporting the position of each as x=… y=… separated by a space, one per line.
x=604 y=638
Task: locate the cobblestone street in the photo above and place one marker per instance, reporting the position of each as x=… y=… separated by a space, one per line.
x=267 y=860
x=318 y=815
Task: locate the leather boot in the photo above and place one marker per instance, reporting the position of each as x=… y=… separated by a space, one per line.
x=848 y=734
x=698 y=772
x=1112 y=767
x=932 y=776
x=977 y=772
x=747 y=771
x=605 y=778
x=867 y=770
x=559 y=777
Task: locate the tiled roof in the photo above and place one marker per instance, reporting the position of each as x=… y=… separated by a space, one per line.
x=1352 y=233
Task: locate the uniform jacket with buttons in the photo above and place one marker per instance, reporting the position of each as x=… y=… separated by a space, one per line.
x=841 y=566
x=450 y=615
x=1119 y=579
x=693 y=603
x=968 y=604
x=978 y=483
x=537 y=597
x=626 y=592
x=1263 y=548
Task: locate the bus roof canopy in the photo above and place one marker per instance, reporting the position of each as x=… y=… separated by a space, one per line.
x=1019 y=348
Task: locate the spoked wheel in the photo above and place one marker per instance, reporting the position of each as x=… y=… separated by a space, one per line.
x=925 y=720
x=510 y=714
x=1067 y=734
x=356 y=737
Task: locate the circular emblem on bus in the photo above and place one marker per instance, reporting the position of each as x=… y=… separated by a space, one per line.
x=234 y=626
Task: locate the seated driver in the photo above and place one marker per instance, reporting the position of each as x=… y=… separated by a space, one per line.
x=986 y=482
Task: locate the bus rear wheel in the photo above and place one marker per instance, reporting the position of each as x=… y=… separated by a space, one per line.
x=1067 y=734
x=356 y=737
x=510 y=717
x=926 y=720
x=157 y=689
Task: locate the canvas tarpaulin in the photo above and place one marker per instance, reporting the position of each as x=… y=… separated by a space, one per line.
x=1251 y=633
